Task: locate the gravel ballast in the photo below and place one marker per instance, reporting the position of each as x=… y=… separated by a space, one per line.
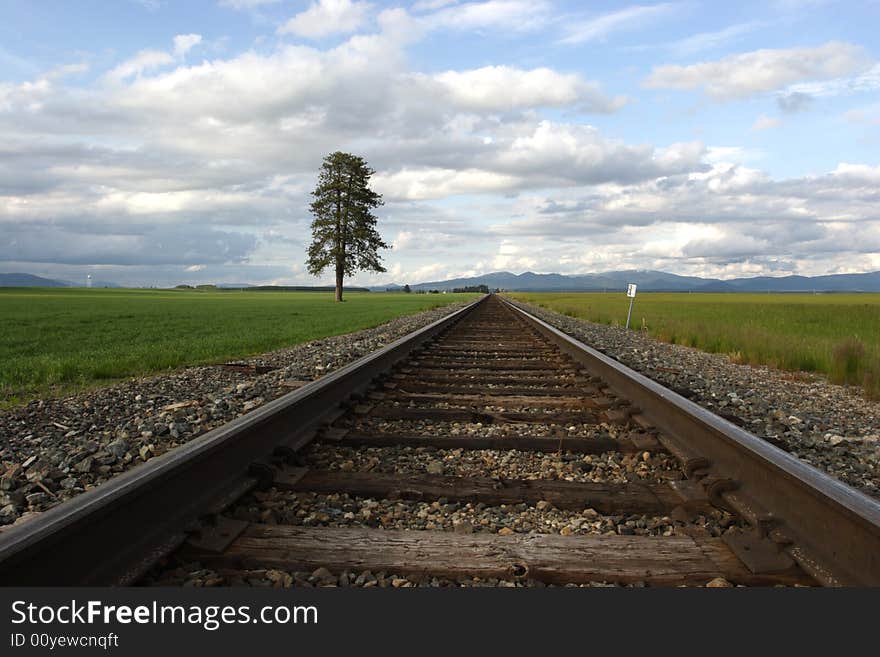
x=608 y=467
x=51 y=450
x=308 y=509
x=194 y=575
x=831 y=427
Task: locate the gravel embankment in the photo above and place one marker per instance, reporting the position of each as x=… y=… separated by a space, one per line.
x=829 y=426
x=54 y=449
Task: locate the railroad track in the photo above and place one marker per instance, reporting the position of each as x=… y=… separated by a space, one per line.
x=516 y=452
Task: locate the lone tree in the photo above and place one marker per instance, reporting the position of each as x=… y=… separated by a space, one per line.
x=344 y=228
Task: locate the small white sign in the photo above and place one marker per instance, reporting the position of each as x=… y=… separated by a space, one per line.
x=631 y=290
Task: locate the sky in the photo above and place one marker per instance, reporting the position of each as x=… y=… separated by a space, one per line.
x=159 y=142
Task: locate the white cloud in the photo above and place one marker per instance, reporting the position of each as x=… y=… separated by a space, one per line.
x=326 y=17
x=195 y=268
x=515 y=15
x=546 y=154
x=727 y=221
x=161 y=170
x=503 y=88
x=185 y=160
x=554 y=154
x=149 y=60
x=403 y=238
x=145 y=60
x=398 y=26
x=598 y=28
x=183 y=43
x=765 y=122
x=431 y=271
x=866 y=82
x=711 y=40
x=511 y=256
x=433 y=183
x=746 y=74
x=68 y=69
x=859 y=174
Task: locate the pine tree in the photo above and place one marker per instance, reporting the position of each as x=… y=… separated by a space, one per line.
x=344 y=228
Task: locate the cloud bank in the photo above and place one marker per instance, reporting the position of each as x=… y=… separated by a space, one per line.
x=187 y=165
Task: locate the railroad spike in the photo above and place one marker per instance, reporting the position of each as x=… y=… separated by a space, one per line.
x=715 y=487
x=693 y=464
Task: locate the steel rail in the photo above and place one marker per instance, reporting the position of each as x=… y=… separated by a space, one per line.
x=112 y=534
x=829 y=528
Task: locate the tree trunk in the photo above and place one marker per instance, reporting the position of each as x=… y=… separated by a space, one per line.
x=339 y=275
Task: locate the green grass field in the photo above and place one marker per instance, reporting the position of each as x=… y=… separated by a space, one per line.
x=834 y=334
x=65 y=338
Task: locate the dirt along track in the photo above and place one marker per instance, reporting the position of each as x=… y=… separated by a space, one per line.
x=489 y=449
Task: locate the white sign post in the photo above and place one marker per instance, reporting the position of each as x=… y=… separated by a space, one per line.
x=631 y=293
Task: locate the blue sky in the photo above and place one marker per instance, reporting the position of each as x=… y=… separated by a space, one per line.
x=153 y=142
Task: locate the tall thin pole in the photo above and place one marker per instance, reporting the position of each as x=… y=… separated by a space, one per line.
x=629 y=314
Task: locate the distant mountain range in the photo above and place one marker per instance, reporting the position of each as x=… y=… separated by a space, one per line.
x=648 y=281
x=29 y=280
x=654 y=281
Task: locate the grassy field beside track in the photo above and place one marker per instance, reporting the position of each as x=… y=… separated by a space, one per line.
x=833 y=334
x=65 y=338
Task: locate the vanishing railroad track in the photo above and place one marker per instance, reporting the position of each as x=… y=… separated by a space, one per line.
x=691 y=497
